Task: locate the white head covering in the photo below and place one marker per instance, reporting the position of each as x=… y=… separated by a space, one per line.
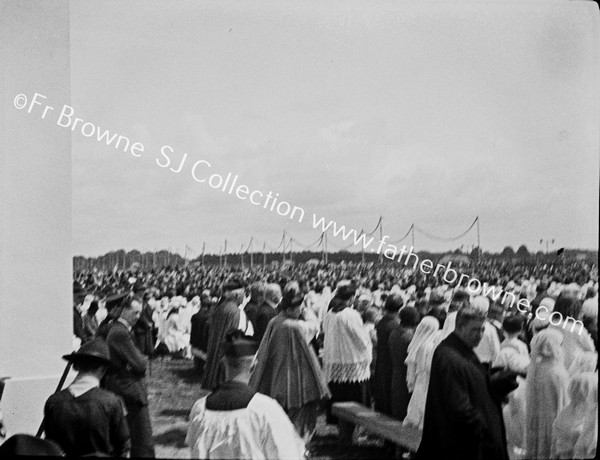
x=546 y=345
x=481 y=303
x=426 y=332
x=588 y=441
x=583 y=362
x=449 y=325
x=568 y=425
x=539 y=323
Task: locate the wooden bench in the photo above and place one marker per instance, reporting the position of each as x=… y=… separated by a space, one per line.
x=352 y=413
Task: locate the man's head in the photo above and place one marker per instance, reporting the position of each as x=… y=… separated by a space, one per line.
x=393 y=303
x=345 y=293
x=257 y=292
x=132 y=311
x=291 y=305
x=409 y=317
x=513 y=324
x=239 y=351
x=273 y=294
x=470 y=325
x=460 y=299
x=91 y=358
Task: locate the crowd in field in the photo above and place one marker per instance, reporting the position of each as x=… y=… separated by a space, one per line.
x=368 y=333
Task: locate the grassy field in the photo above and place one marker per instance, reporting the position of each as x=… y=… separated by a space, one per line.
x=173 y=387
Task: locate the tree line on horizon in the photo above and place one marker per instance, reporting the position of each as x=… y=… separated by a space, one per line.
x=121 y=259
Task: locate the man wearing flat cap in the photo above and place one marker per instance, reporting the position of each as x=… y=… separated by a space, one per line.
x=225 y=316
x=235 y=421
x=84 y=419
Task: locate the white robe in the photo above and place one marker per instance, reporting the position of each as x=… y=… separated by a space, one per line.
x=418 y=369
x=260 y=431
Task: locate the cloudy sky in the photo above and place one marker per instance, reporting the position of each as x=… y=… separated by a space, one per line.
x=432 y=114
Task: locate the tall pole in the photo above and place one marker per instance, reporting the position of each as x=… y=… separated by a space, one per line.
x=380 y=238
x=225 y=254
x=362 y=249
x=283 y=248
x=203 y=247
x=264 y=254
x=478 y=241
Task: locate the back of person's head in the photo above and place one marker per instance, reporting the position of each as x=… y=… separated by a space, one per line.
x=496 y=311
x=409 y=317
x=273 y=293
x=28 y=445
x=468 y=314
x=438 y=312
x=513 y=324
x=583 y=388
x=257 y=292
x=371 y=315
x=290 y=300
x=291 y=289
x=238 y=351
x=481 y=304
x=567 y=306
x=393 y=303
x=460 y=299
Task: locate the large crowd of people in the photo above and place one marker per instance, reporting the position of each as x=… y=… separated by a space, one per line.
x=477 y=375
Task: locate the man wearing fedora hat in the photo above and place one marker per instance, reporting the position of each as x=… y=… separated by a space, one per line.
x=84 y=419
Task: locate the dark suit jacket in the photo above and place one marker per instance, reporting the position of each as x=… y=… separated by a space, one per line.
x=463 y=417
x=264 y=314
x=143 y=331
x=126 y=378
x=398 y=345
x=93 y=423
x=383 y=366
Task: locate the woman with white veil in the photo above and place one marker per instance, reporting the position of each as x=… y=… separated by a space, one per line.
x=547 y=395
x=418 y=368
x=569 y=425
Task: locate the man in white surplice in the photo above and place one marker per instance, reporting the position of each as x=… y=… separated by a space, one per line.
x=236 y=422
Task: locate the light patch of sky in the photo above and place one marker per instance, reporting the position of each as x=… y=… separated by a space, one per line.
x=421 y=113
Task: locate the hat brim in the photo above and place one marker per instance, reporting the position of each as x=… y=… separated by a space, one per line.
x=85 y=357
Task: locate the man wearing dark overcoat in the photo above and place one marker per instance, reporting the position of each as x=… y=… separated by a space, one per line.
x=463 y=414
x=127 y=379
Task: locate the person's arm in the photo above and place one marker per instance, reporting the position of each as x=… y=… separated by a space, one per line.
x=126 y=350
x=120 y=431
x=309 y=324
x=456 y=397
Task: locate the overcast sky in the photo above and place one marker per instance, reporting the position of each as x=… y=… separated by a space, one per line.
x=349 y=110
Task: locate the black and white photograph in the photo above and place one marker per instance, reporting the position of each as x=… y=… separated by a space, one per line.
x=309 y=229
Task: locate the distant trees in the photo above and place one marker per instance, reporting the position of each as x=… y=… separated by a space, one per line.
x=508 y=252
x=523 y=252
